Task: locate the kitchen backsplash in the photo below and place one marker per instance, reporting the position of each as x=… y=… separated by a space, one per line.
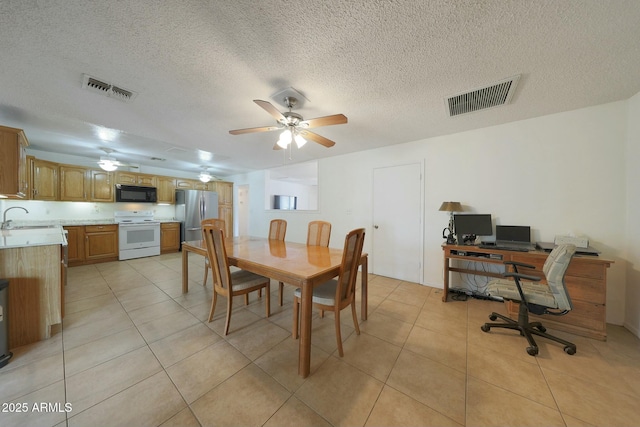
x=60 y=211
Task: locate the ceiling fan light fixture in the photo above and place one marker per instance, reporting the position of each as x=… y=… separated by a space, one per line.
x=300 y=141
x=108 y=164
x=285 y=139
x=205 y=176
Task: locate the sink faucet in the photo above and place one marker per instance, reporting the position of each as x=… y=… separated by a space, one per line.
x=7 y=224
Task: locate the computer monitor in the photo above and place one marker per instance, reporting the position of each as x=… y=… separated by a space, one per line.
x=513 y=233
x=473 y=224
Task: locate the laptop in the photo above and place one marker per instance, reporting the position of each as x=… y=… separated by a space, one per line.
x=514 y=238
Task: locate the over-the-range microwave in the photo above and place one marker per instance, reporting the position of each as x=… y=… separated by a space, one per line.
x=136 y=194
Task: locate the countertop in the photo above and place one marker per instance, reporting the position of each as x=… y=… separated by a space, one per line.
x=17 y=238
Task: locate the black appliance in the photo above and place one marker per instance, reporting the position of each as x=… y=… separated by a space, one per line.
x=136 y=194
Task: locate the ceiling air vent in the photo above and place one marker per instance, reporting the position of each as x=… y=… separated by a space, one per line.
x=497 y=94
x=107 y=89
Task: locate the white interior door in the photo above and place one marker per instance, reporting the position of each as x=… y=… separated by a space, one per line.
x=397 y=222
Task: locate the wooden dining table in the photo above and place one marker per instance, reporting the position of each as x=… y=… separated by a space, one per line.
x=295 y=264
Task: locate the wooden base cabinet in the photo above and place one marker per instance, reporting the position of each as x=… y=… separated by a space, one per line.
x=35 y=297
x=169 y=237
x=92 y=244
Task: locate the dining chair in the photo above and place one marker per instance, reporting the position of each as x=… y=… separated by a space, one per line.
x=318 y=234
x=277 y=229
x=229 y=284
x=217 y=223
x=336 y=294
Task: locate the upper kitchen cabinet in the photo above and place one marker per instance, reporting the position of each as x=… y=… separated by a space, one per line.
x=166 y=189
x=13 y=163
x=74 y=185
x=184 y=184
x=225 y=192
x=44 y=179
x=132 y=178
x=80 y=184
x=101 y=185
x=225 y=205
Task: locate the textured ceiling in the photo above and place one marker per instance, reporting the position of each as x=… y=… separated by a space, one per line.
x=387 y=65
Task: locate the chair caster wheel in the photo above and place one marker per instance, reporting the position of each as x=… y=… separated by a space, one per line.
x=541 y=329
x=493 y=317
x=570 y=350
x=532 y=351
x=485 y=328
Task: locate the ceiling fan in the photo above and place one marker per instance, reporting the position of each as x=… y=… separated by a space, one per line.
x=109 y=163
x=294 y=127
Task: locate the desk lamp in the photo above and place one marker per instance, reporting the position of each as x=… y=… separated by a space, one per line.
x=450 y=207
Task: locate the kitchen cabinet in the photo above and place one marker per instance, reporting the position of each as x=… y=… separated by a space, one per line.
x=184 y=184
x=132 y=178
x=91 y=244
x=225 y=205
x=207 y=186
x=80 y=184
x=101 y=242
x=44 y=180
x=75 y=241
x=35 y=297
x=166 y=189
x=74 y=185
x=101 y=183
x=13 y=163
x=169 y=237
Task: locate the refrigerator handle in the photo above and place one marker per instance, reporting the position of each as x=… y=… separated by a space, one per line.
x=202 y=208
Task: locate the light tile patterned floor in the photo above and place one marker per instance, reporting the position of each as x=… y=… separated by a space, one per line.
x=135 y=351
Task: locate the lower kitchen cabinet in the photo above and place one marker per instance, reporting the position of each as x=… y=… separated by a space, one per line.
x=169 y=237
x=92 y=243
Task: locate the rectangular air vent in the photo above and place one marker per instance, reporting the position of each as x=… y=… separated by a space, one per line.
x=495 y=95
x=107 y=89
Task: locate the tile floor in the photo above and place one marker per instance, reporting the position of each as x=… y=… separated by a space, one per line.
x=134 y=351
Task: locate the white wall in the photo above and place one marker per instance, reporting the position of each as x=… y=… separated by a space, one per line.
x=632 y=306
x=558 y=173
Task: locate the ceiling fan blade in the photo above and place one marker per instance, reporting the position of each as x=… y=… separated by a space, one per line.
x=252 y=130
x=269 y=108
x=336 y=119
x=317 y=138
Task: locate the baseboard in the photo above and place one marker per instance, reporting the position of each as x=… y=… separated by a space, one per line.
x=634 y=330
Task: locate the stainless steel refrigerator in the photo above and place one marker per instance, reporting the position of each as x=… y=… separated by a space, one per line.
x=192 y=206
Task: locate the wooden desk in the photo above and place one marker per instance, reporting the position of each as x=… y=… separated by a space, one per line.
x=586 y=281
x=293 y=263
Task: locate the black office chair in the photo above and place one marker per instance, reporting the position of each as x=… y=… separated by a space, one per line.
x=535 y=298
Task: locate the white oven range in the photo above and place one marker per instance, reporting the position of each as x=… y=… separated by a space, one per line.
x=138 y=234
